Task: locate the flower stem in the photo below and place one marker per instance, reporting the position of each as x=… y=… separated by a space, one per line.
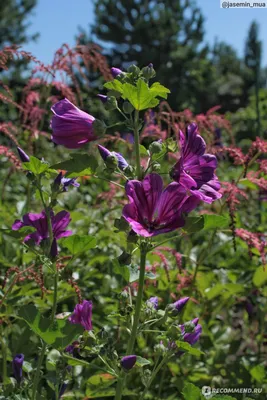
x=156 y=370
x=136 y=145
x=54 y=308
x=138 y=305
x=38 y=370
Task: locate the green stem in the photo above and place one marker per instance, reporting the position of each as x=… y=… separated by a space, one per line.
x=136 y=145
x=37 y=373
x=4 y=357
x=138 y=305
x=154 y=373
x=54 y=308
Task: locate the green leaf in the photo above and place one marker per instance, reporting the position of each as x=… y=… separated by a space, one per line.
x=78 y=165
x=193 y=224
x=141 y=362
x=20 y=234
x=114 y=85
x=143 y=151
x=260 y=276
x=79 y=244
x=159 y=90
x=191 y=392
x=59 y=334
x=258 y=373
x=189 y=349
x=213 y=221
x=36 y=166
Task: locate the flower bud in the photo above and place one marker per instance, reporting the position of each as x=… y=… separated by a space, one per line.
x=115 y=72
x=128 y=362
x=155 y=147
x=148 y=72
x=17 y=363
x=153 y=302
x=111 y=161
x=111 y=103
x=156 y=167
x=22 y=155
x=133 y=69
x=127 y=107
x=177 y=307
x=99 y=127
x=102 y=98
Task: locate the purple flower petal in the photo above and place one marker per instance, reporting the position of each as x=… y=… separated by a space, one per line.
x=128 y=362
x=71 y=126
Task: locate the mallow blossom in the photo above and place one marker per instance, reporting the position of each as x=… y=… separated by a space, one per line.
x=179 y=304
x=105 y=153
x=71 y=127
x=195 y=170
x=59 y=223
x=82 y=315
x=153 y=210
x=115 y=72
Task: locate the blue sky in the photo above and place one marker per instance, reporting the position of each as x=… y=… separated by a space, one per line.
x=58 y=22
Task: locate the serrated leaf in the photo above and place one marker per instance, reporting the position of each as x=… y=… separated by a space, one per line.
x=159 y=90
x=79 y=244
x=59 y=334
x=191 y=392
x=114 y=85
x=36 y=166
x=188 y=348
x=258 y=373
x=78 y=165
x=213 y=221
x=141 y=362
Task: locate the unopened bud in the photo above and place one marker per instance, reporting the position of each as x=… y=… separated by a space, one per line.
x=127 y=107
x=148 y=72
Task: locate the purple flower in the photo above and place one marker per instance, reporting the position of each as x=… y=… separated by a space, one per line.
x=179 y=304
x=195 y=169
x=103 y=98
x=115 y=72
x=128 y=362
x=105 y=153
x=22 y=155
x=71 y=126
x=65 y=182
x=152 y=210
x=82 y=315
x=192 y=337
x=59 y=222
x=154 y=301
x=17 y=363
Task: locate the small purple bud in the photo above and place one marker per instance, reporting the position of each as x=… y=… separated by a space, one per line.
x=103 y=152
x=54 y=249
x=22 y=155
x=62 y=389
x=17 y=363
x=150 y=65
x=128 y=362
x=115 y=72
x=103 y=98
x=58 y=178
x=179 y=305
x=154 y=301
x=193 y=337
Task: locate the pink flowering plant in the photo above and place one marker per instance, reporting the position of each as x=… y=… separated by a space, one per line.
x=165 y=190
